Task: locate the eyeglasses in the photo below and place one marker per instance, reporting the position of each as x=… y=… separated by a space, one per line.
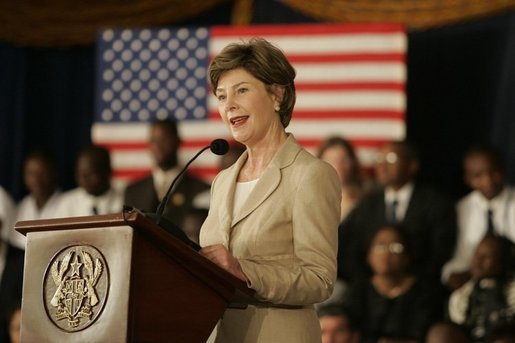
x=389 y=158
x=392 y=248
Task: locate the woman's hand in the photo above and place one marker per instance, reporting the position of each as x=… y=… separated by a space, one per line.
x=219 y=255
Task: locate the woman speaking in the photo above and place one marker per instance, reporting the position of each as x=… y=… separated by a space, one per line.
x=274 y=214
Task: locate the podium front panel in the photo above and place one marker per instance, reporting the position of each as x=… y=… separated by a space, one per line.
x=76 y=285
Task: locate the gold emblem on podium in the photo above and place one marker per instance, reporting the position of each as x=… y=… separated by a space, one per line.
x=76 y=284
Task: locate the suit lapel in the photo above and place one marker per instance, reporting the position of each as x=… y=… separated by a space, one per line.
x=270 y=179
x=266 y=185
x=228 y=182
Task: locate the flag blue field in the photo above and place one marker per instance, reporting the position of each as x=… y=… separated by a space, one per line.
x=350 y=82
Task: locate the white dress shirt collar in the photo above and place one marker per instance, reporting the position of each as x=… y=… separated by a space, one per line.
x=163 y=178
x=496 y=203
x=108 y=202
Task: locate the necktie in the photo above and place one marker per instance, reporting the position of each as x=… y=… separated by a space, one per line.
x=490 y=224
x=392 y=211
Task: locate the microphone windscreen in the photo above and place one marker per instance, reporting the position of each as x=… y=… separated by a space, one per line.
x=219 y=146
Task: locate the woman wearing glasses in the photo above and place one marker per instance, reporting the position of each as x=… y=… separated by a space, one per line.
x=392 y=305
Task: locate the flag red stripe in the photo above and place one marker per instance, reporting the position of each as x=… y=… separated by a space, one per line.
x=349 y=86
x=132 y=174
x=135 y=173
x=304 y=29
x=125 y=146
x=341 y=58
x=351 y=114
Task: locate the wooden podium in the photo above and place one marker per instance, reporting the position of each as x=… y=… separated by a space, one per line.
x=119 y=278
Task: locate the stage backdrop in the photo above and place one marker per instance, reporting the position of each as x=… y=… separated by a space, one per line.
x=350 y=82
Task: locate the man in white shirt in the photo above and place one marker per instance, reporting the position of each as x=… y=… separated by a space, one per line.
x=7 y=212
x=489 y=207
x=94 y=194
x=42 y=202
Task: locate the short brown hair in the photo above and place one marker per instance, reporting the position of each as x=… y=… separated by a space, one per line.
x=262 y=60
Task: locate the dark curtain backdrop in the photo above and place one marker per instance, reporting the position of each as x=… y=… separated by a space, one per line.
x=46 y=103
x=461 y=81
x=502 y=133
x=460 y=93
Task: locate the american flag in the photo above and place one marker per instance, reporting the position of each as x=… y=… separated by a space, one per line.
x=350 y=82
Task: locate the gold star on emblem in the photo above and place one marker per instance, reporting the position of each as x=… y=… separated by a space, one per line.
x=75 y=266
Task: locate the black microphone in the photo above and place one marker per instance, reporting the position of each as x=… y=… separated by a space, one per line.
x=218 y=147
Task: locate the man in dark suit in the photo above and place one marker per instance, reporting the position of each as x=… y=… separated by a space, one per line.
x=11 y=280
x=428 y=217
x=146 y=194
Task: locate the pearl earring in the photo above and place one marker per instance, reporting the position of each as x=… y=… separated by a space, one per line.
x=277 y=108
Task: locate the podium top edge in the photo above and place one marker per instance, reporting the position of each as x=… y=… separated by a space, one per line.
x=104 y=220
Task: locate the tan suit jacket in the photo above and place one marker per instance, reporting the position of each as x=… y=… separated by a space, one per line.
x=285 y=238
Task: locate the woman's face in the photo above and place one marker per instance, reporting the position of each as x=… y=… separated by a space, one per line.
x=247 y=107
x=387 y=254
x=339 y=158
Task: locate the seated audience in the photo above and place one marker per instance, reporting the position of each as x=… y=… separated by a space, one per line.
x=11 y=278
x=94 y=194
x=336 y=325
x=486 y=303
x=428 y=217
x=490 y=207
x=42 y=202
x=340 y=153
x=393 y=304
x=7 y=213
